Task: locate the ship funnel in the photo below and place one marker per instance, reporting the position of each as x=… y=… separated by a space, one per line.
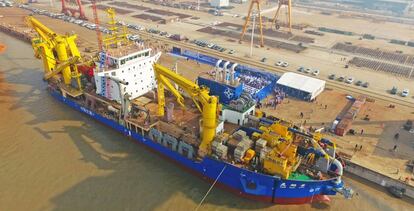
x=232 y=73
x=225 y=72
x=218 y=70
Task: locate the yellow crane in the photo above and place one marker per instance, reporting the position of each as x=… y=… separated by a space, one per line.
x=199 y=95
x=58 y=52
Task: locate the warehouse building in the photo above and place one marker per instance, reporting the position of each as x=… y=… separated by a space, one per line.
x=300 y=86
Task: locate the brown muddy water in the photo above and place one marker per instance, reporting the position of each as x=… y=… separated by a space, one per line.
x=54 y=158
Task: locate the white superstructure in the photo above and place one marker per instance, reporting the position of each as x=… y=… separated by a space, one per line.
x=134 y=68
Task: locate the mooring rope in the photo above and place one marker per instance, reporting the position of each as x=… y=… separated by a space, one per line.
x=211 y=187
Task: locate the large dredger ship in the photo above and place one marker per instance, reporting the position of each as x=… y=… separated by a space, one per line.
x=260 y=157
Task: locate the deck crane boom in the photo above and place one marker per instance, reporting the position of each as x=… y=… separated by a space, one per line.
x=58 y=52
x=199 y=95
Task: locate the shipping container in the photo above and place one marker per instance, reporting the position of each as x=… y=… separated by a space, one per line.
x=343 y=127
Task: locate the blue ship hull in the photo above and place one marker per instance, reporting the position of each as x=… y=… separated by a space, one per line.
x=240 y=181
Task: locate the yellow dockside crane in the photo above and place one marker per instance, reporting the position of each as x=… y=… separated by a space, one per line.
x=59 y=54
x=199 y=95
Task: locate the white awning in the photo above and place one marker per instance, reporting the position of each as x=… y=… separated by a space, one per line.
x=303 y=83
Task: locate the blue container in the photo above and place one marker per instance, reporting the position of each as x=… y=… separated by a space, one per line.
x=226 y=93
x=176 y=50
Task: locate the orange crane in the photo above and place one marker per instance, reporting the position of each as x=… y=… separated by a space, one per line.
x=288 y=4
x=72 y=11
x=98 y=31
x=252 y=3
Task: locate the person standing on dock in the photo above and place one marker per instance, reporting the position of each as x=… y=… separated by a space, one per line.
x=362 y=131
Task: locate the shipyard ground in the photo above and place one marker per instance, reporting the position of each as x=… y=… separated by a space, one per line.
x=377 y=140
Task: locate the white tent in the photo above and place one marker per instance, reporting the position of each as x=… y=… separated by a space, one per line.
x=301 y=86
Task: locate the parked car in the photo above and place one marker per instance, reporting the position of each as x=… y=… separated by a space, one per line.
x=358 y=83
x=365 y=85
x=264 y=59
x=279 y=63
x=332 y=76
x=285 y=64
x=341 y=78
x=301 y=69
x=349 y=80
x=408 y=125
x=315 y=72
x=232 y=51
x=396 y=191
x=394 y=90
x=405 y=92
x=78 y=22
x=308 y=70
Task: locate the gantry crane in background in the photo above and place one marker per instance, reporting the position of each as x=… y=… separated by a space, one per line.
x=97 y=29
x=72 y=11
x=59 y=54
x=249 y=13
x=288 y=6
x=199 y=95
x=259 y=13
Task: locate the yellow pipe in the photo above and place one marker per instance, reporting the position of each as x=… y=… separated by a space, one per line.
x=63 y=57
x=161 y=97
x=209 y=122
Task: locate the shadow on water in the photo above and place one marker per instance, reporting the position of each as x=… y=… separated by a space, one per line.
x=136 y=178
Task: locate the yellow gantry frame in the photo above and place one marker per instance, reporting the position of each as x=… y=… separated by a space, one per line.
x=200 y=95
x=58 y=52
x=115 y=37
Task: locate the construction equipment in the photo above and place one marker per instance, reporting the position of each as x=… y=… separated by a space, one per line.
x=116 y=37
x=96 y=20
x=199 y=95
x=288 y=4
x=72 y=11
x=59 y=54
x=249 y=13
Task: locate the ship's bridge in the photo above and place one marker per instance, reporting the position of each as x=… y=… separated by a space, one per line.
x=111 y=60
x=133 y=67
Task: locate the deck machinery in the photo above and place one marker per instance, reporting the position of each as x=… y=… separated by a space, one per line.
x=266 y=159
